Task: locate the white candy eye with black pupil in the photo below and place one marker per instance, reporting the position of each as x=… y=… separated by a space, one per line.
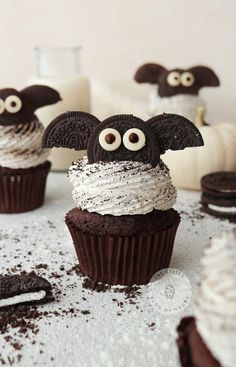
x=13 y=104
x=173 y=79
x=2 y=106
x=134 y=139
x=109 y=139
x=187 y=79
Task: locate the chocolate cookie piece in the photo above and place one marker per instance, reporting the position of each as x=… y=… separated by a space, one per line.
x=219 y=194
x=149 y=152
x=193 y=352
x=71 y=130
x=24 y=289
x=175 y=132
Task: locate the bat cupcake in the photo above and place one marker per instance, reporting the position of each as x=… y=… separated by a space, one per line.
x=208 y=339
x=178 y=89
x=23 y=161
x=123 y=226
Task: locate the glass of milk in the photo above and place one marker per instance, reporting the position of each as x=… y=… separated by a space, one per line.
x=59 y=68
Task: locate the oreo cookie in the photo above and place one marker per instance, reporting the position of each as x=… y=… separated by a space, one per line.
x=24 y=289
x=219 y=194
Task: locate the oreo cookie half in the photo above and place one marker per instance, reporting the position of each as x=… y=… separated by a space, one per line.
x=24 y=289
x=219 y=194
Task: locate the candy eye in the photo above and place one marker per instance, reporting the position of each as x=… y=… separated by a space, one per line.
x=134 y=139
x=109 y=139
x=173 y=79
x=187 y=79
x=2 y=106
x=13 y=104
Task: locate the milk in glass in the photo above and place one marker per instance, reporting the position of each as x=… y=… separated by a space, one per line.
x=59 y=68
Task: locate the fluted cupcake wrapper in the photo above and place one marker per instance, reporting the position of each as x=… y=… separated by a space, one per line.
x=123 y=260
x=192 y=348
x=22 y=190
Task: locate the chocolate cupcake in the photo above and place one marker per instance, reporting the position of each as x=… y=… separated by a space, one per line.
x=209 y=338
x=123 y=226
x=23 y=162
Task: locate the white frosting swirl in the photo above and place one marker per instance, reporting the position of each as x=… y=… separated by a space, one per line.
x=121 y=188
x=21 y=145
x=216 y=302
x=185 y=105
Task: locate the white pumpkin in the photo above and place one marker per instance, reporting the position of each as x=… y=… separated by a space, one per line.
x=218 y=154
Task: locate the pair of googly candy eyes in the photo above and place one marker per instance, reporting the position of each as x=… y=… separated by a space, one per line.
x=174 y=79
x=11 y=104
x=133 y=139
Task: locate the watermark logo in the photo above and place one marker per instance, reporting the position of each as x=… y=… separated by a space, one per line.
x=169 y=291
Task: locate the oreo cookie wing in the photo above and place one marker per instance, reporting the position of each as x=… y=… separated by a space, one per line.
x=149 y=73
x=175 y=132
x=24 y=289
x=71 y=130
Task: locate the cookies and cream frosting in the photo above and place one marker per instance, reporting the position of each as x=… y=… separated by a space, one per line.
x=21 y=145
x=121 y=187
x=216 y=302
x=186 y=105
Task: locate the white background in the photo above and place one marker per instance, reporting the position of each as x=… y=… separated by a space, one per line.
x=119 y=35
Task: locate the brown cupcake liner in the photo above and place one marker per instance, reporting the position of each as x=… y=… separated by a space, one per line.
x=123 y=260
x=192 y=349
x=22 y=190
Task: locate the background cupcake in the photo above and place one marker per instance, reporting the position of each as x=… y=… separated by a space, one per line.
x=23 y=162
x=209 y=339
x=123 y=226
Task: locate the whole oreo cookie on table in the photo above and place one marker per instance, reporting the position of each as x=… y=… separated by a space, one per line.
x=123 y=226
x=24 y=289
x=219 y=194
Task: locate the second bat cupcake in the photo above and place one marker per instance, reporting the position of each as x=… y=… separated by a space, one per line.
x=123 y=226
x=23 y=163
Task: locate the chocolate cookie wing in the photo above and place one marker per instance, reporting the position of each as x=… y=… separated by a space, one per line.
x=149 y=73
x=205 y=77
x=70 y=130
x=175 y=132
x=40 y=96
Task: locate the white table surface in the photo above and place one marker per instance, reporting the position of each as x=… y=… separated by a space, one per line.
x=110 y=335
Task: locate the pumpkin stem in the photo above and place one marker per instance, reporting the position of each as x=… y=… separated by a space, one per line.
x=199 y=120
